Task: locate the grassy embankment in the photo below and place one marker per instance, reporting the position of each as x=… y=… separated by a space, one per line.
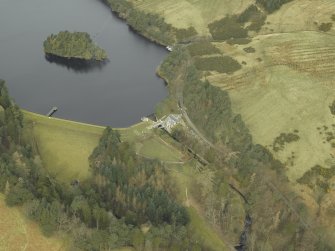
x=64 y=146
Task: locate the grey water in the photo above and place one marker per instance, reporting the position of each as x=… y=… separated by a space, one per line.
x=117 y=93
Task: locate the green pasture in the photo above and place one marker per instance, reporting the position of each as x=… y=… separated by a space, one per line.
x=64 y=146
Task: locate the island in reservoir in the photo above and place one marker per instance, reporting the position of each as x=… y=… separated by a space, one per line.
x=74 y=45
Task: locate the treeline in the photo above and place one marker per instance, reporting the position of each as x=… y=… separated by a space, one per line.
x=104 y=212
x=272 y=5
x=11 y=120
x=148 y=24
x=151 y=25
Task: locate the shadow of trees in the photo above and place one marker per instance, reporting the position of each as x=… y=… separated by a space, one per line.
x=75 y=64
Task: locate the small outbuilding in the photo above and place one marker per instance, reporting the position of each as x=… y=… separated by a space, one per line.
x=171 y=121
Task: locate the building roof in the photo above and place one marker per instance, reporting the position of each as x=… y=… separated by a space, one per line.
x=174 y=118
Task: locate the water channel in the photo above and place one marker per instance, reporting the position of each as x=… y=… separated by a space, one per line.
x=118 y=93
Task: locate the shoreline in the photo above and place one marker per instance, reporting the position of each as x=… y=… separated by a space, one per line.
x=124 y=17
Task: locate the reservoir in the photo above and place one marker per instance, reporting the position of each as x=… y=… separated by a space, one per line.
x=117 y=93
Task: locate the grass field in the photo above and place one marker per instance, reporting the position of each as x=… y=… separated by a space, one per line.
x=149 y=144
x=18 y=233
x=291 y=89
x=156 y=147
x=196 y=13
x=64 y=146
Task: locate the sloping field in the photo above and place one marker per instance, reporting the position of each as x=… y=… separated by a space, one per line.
x=301 y=15
x=196 y=13
x=17 y=233
x=155 y=147
x=64 y=146
x=289 y=91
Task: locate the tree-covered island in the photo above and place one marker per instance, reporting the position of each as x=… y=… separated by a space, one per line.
x=73 y=45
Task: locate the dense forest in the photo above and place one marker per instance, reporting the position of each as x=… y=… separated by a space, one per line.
x=72 y=45
x=131 y=187
x=106 y=211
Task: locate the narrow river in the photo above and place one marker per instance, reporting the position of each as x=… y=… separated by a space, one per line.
x=116 y=94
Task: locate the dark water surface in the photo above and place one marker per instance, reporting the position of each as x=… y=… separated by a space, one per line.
x=118 y=93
